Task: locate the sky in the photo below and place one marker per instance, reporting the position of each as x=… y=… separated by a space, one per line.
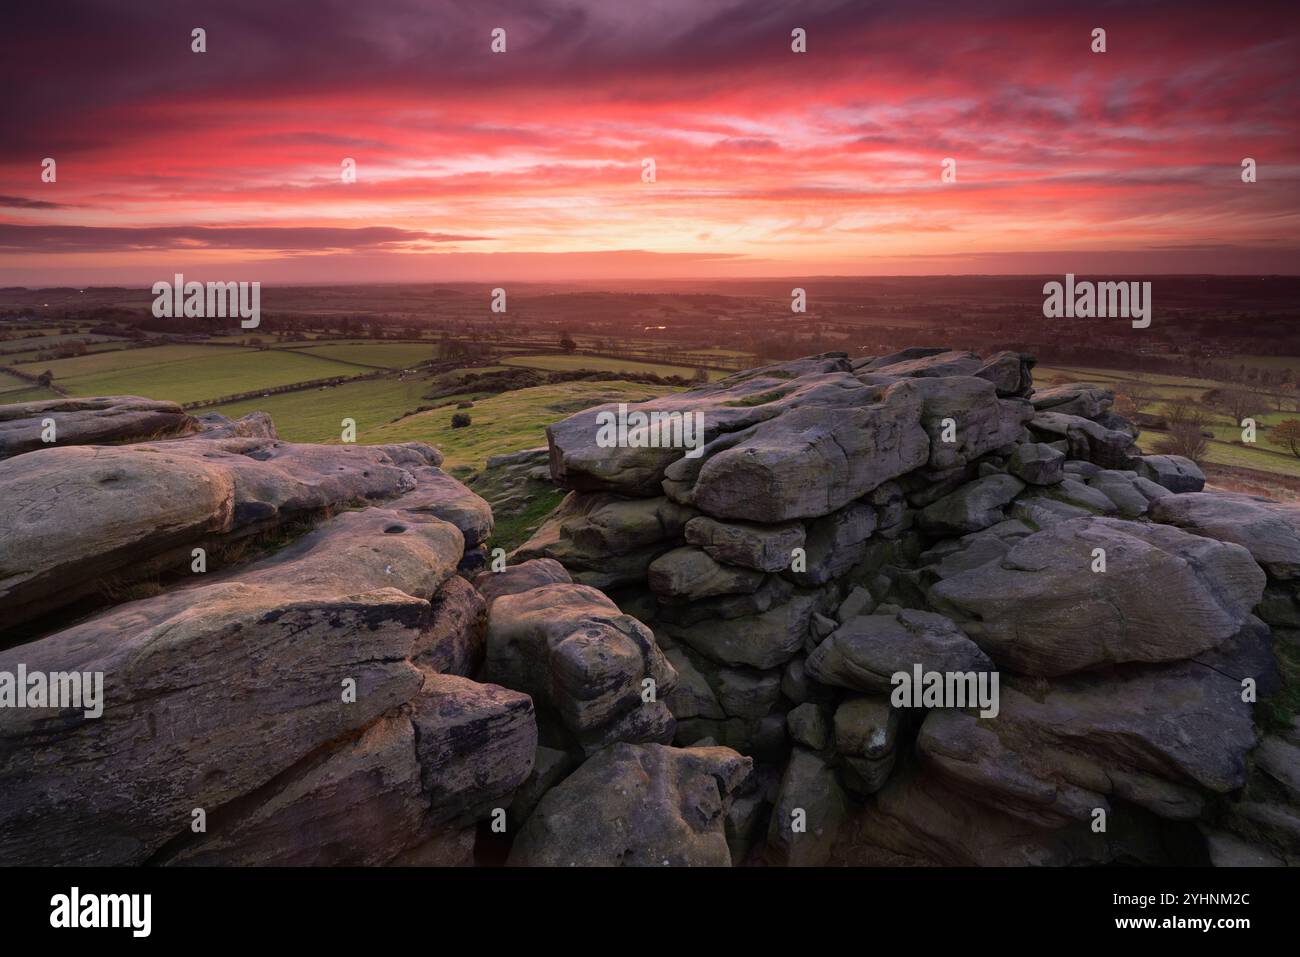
x=473 y=165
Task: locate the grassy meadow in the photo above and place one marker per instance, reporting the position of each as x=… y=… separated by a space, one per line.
x=1226 y=448
x=396 y=406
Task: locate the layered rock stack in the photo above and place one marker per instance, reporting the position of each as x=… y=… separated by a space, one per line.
x=847 y=522
x=707 y=655
x=279 y=658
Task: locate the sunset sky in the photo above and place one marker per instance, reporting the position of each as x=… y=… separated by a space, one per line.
x=478 y=166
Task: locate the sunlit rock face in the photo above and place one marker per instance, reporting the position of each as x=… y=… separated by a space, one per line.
x=929 y=512
x=895 y=609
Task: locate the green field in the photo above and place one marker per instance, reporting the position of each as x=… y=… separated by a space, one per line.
x=14 y=389
x=507 y=422
x=1226 y=448
x=380 y=355
x=12 y=385
x=563 y=363
x=109 y=345
x=499 y=423
x=184 y=373
x=99 y=363
x=315 y=415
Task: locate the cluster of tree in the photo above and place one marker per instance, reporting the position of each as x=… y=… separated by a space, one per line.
x=63 y=350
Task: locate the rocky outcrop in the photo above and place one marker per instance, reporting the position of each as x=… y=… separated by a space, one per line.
x=895 y=609
x=1269 y=530
x=1050 y=606
x=309 y=646
x=333 y=691
x=101 y=421
x=573 y=650
x=844 y=523
x=85 y=519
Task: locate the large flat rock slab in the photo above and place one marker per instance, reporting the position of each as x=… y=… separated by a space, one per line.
x=211 y=691
x=105 y=420
x=78 y=516
x=1269 y=530
x=1165 y=594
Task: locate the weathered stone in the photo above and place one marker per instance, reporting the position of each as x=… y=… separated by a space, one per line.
x=1082 y=470
x=100 y=421
x=692 y=696
x=1122 y=492
x=966 y=751
x=195 y=679
x=1229 y=850
x=867 y=651
x=691 y=573
x=1044 y=512
x=604 y=540
x=455 y=639
x=1269 y=530
x=866 y=727
x=858 y=602
x=254 y=425
x=1082 y=400
x=763 y=641
x=475 y=744
x=815 y=459
x=1037 y=464
x=570 y=647
x=550 y=767
x=1010 y=372
x=972 y=507
x=1173 y=472
x=940 y=365
x=1182 y=722
x=1088 y=440
x=873 y=363
x=1164 y=595
x=525 y=576
x=651 y=723
x=744 y=693
x=794 y=680
x=835 y=544
x=808 y=726
x=982 y=422
x=438 y=494
x=1077 y=495
x=682 y=612
x=145 y=507
x=765 y=548
x=362 y=804
x=637 y=806
x=809 y=812
x=744 y=821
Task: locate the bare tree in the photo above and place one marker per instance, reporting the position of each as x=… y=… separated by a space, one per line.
x=1286 y=434
x=1140 y=393
x=1240 y=403
x=1187 y=427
